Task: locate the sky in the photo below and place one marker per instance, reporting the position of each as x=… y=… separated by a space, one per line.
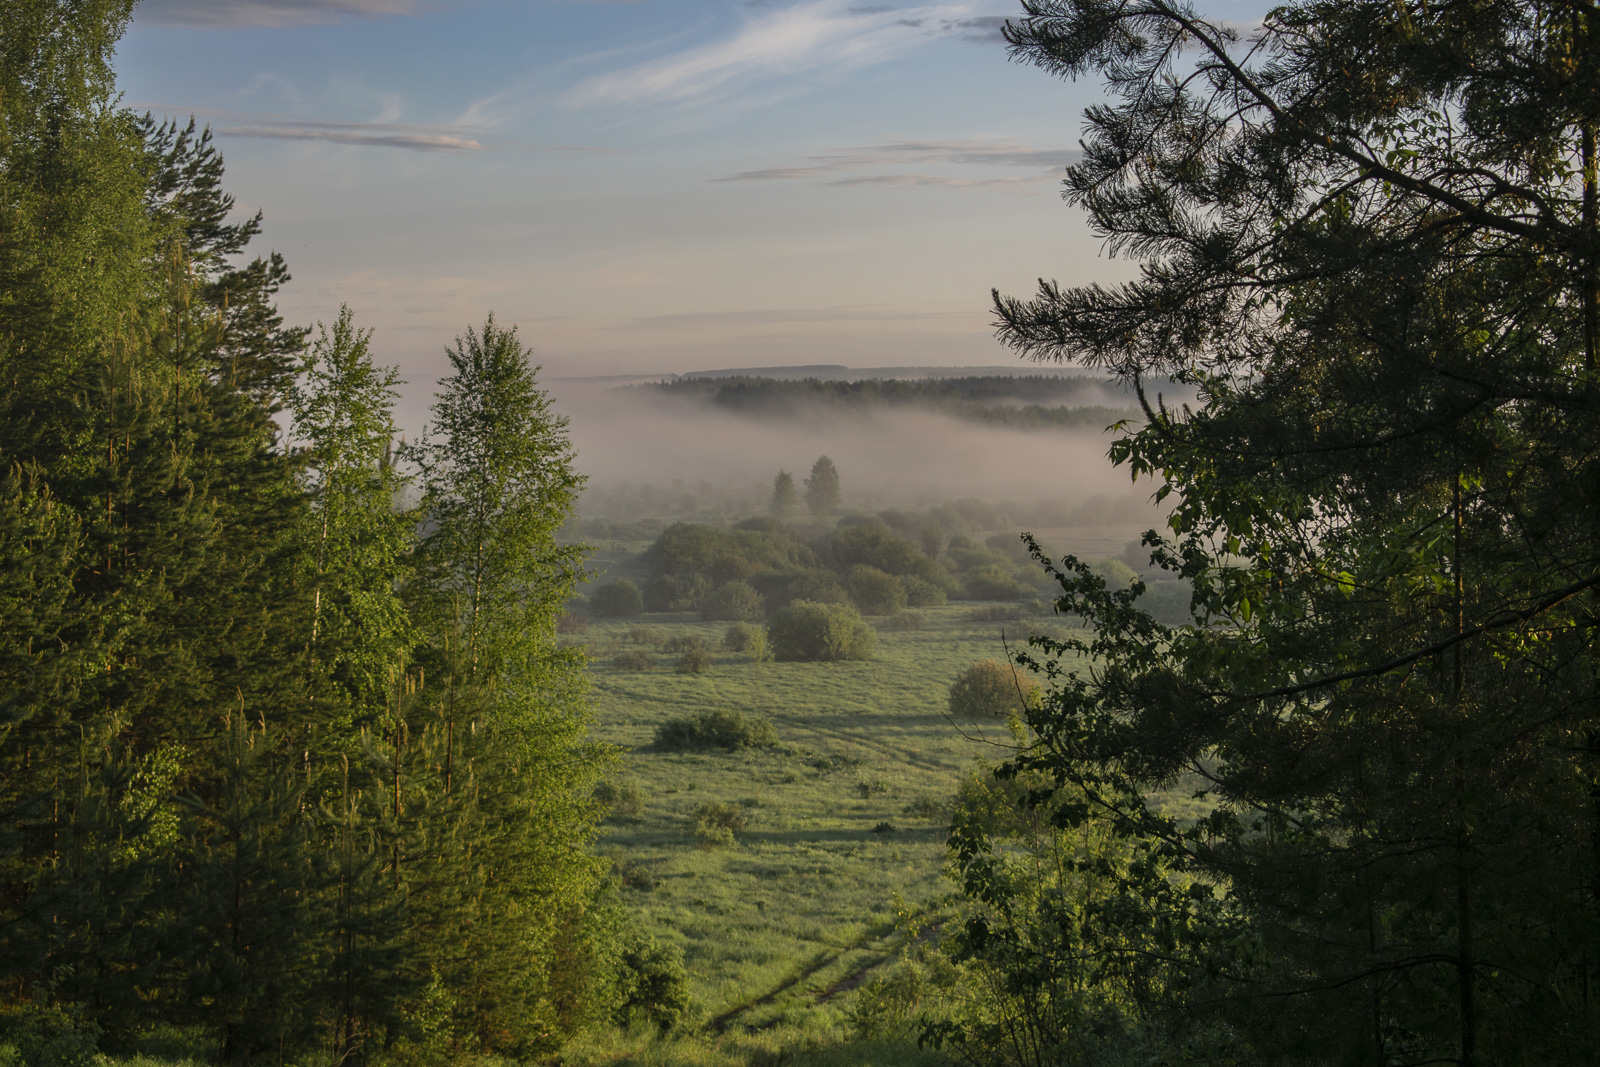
x=642 y=188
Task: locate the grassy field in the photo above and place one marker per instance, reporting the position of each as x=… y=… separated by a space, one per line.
x=845 y=823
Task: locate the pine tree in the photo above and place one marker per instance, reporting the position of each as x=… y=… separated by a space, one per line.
x=1369 y=247
x=248 y=905
x=150 y=483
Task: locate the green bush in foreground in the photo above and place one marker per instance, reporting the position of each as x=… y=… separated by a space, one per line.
x=715 y=824
x=991 y=689
x=716 y=729
x=652 y=983
x=809 y=631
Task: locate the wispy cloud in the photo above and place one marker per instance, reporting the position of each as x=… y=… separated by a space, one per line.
x=448 y=137
x=221 y=14
x=834 y=167
x=985 y=29
x=810 y=38
x=377 y=134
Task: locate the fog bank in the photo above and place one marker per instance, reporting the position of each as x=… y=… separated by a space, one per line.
x=886 y=457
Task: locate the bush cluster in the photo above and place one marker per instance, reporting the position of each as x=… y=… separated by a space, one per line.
x=617 y=599
x=807 y=631
x=990 y=689
x=634 y=660
x=716 y=729
x=622 y=799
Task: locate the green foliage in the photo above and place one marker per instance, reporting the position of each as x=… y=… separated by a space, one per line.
x=736 y=601
x=893 y=1001
x=809 y=631
x=822 y=488
x=669 y=592
x=813 y=584
x=230 y=802
x=622 y=799
x=785 y=498
x=51 y=1035
x=634 y=660
x=716 y=729
x=717 y=555
x=618 y=598
x=921 y=593
x=343 y=419
x=875 y=545
x=652 y=983
x=875 y=592
x=695 y=660
x=714 y=813
x=739 y=637
x=1380 y=279
x=497 y=478
x=992 y=583
x=709 y=834
x=990 y=689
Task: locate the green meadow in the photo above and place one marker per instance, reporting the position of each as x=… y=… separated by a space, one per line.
x=844 y=823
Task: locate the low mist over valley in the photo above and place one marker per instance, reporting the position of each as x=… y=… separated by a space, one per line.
x=707 y=446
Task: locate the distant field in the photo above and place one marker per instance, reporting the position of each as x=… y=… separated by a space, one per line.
x=842 y=816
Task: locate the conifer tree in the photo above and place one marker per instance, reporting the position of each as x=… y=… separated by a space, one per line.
x=1369 y=241
x=822 y=488
x=785 y=499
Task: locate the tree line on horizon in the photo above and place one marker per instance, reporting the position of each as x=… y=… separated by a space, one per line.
x=1021 y=402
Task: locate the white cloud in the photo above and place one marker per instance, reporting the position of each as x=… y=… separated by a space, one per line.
x=449 y=137
x=377 y=134
x=222 y=14
x=997 y=153
x=807 y=38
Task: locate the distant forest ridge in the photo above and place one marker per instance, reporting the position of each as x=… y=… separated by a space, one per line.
x=1032 y=402
x=839 y=372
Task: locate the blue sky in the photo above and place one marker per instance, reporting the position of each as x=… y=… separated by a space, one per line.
x=666 y=185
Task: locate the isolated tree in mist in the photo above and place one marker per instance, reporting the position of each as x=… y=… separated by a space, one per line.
x=822 y=488
x=785 y=498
